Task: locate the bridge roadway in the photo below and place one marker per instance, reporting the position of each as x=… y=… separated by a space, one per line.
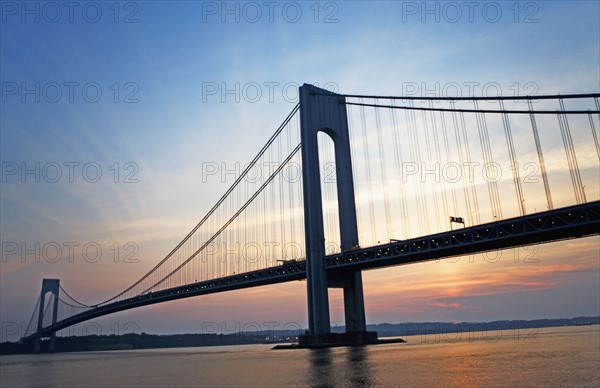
x=559 y=224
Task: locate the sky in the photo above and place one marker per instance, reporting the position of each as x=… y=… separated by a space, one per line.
x=109 y=110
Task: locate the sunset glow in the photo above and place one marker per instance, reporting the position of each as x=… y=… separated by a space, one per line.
x=185 y=106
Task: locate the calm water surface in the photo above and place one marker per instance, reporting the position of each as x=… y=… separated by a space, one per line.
x=566 y=356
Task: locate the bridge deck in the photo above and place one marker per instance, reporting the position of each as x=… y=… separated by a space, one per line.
x=559 y=224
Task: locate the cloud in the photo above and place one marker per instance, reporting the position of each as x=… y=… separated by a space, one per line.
x=460 y=286
x=452 y=305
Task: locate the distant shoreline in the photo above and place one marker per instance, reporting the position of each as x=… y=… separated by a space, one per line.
x=451 y=330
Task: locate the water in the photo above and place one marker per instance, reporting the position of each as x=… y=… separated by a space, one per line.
x=565 y=356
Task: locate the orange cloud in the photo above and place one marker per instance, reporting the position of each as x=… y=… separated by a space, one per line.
x=445 y=305
x=411 y=289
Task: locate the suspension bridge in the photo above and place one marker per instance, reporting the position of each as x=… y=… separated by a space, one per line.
x=354 y=182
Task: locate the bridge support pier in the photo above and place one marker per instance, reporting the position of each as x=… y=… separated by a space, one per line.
x=354 y=303
x=53 y=286
x=324 y=111
x=354 y=307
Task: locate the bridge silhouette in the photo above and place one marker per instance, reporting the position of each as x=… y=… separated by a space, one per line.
x=296 y=212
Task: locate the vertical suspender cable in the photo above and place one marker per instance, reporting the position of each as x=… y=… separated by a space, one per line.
x=290 y=187
x=416 y=156
x=244 y=225
x=513 y=159
x=438 y=158
x=431 y=163
x=593 y=128
x=484 y=141
x=272 y=215
x=282 y=235
x=447 y=149
x=457 y=136
x=365 y=147
x=538 y=147
x=35 y=310
x=264 y=247
x=300 y=184
x=44 y=315
x=422 y=192
x=398 y=158
x=412 y=159
x=570 y=152
x=470 y=180
x=382 y=166
x=355 y=169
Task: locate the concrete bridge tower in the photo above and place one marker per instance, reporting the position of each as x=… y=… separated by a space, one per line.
x=53 y=286
x=321 y=110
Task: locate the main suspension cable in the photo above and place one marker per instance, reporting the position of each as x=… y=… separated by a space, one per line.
x=215 y=207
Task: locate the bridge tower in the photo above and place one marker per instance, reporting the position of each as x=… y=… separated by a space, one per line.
x=53 y=286
x=321 y=110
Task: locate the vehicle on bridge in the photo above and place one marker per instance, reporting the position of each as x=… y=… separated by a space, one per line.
x=284 y=262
